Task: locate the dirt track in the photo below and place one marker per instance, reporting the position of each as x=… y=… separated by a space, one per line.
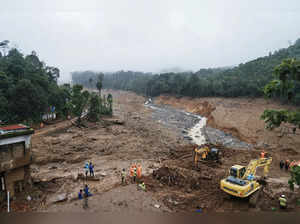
x=60 y=153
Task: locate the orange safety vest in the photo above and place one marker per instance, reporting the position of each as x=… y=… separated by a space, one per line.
x=139 y=171
x=131 y=171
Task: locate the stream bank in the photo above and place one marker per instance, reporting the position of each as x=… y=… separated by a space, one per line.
x=193 y=128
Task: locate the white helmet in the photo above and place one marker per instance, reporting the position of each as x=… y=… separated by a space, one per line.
x=283 y=196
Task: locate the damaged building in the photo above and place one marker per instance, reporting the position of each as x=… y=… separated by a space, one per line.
x=15 y=158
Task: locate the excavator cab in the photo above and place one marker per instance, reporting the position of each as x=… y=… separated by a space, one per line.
x=237 y=171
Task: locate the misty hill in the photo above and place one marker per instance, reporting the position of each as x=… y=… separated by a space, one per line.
x=243 y=80
x=174 y=70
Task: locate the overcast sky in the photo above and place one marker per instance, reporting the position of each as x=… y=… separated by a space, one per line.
x=148 y=35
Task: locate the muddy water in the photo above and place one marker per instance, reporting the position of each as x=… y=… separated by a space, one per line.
x=193 y=127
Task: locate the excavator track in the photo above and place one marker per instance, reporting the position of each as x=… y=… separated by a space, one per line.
x=255 y=197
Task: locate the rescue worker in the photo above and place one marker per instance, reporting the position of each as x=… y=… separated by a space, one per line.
x=281 y=164
x=292 y=164
x=142 y=186
x=134 y=174
x=250 y=177
x=131 y=171
x=139 y=171
x=80 y=196
x=204 y=155
x=86 y=168
x=287 y=164
x=123 y=175
x=262 y=154
x=91 y=168
x=282 y=202
x=199 y=209
x=86 y=191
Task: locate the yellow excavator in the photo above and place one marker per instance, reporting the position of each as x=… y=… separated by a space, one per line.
x=205 y=154
x=242 y=182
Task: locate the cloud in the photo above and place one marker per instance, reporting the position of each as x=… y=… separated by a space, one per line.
x=148 y=35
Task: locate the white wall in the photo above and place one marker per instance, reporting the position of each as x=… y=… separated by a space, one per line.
x=23 y=138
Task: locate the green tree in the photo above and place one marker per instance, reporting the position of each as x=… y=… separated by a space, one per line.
x=99 y=85
x=295 y=177
x=288 y=73
x=28 y=86
x=94 y=108
x=4 y=112
x=110 y=104
x=79 y=101
x=26 y=102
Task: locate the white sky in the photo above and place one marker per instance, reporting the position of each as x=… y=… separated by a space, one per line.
x=148 y=35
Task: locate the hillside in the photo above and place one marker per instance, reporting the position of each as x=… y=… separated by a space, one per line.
x=244 y=80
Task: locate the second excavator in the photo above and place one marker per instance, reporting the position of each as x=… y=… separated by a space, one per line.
x=242 y=181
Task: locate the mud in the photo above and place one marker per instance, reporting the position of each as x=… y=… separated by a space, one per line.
x=173 y=183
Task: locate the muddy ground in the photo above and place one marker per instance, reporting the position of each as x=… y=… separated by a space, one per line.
x=159 y=145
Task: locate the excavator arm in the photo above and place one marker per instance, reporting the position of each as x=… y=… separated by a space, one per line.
x=255 y=163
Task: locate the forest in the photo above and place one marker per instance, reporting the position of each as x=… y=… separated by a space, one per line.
x=244 y=80
x=28 y=87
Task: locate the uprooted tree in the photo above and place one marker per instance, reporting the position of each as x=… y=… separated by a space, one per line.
x=286 y=86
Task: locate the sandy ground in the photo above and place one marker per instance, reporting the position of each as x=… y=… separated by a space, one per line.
x=60 y=151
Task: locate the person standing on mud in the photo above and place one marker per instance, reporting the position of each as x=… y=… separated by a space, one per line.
x=287 y=164
x=282 y=202
x=262 y=154
x=86 y=168
x=139 y=171
x=80 y=194
x=123 y=175
x=134 y=174
x=281 y=164
x=91 y=167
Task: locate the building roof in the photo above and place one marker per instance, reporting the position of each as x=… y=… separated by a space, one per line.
x=13 y=127
x=15 y=130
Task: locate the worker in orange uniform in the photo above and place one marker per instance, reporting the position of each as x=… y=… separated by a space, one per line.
x=139 y=171
x=262 y=154
x=131 y=171
x=287 y=164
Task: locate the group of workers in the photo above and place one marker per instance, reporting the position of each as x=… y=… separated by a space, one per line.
x=84 y=194
x=283 y=164
x=89 y=167
x=287 y=164
x=135 y=173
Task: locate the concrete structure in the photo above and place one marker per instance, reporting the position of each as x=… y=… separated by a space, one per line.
x=15 y=158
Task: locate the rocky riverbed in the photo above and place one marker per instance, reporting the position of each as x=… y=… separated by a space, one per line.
x=193 y=127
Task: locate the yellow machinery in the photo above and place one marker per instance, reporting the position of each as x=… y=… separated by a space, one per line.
x=242 y=181
x=205 y=154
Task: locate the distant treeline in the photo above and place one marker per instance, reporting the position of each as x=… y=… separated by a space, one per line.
x=244 y=80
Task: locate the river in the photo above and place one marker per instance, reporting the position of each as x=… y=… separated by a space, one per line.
x=193 y=127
